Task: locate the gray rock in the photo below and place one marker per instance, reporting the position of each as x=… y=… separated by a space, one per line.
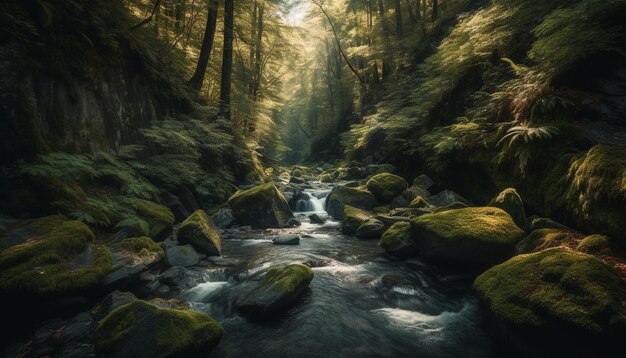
x=184 y=255
x=447 y=197
x=406 y=197
x=180 y=278
x=223 y=219
x=286 y=239
x=370 y=229
x=424 y=181
x=317 y=219
x=112 y=301
x=390 y=220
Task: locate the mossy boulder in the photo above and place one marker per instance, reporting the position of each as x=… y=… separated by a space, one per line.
x=511 y=202
x=341 y=196
x=542 y=239
x=159 y=217
x=386 y=186
x=370 y=229
x=141 y=329
x=326 y=178
x=277 y=291
x=397 y=240
x=418 y=202
x=263 y=206
x=31 y=228
x=63 y=260
x=198 y=231
x=535 y=302
x=598 y=245
x=475 y=236
x=353 y=218
x=546 y=223
x=130 y=258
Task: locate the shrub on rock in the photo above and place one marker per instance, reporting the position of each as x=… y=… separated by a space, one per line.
x=263 y=206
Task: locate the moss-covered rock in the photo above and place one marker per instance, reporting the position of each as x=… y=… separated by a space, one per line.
x=397 y=240
x=263 y=206
x=343 y=195
x=536 y=301
x=353 y=218
x=31 y=228
x=546 y=223
x=510 y=201
x=418 y=202
x=159 y=217
x=598 y=245
x=63 y=260
x=279 y=288
x=542 y=239
x=140 y=329
x=326 y=178
x=386 y=186
x=370 y=229
x=478 y=236
x=198 y=231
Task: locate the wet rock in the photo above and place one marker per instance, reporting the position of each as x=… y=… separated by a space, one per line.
x=341 y=196
x=180 y=278
x=222 y=261
x=579 y=296
x=198 y=231
x=397 y=240
x=511 y=202
x=131 y=257
x=447 y=197
x=223 y=219
x=286 y=239
x=408 y=196
x=407 y=212
x=546 y=223
x=112 y=301
x=474 y=236
x=183 y=255
x=293 y=222
x=390 y=220
x=353 y=218
x=261 y=207
x=317 y=219
x=386 y=187
x=141 y=329
x=370 y=229
x=277 y=291
x=296 y=180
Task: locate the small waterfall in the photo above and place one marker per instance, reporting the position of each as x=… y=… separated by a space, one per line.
x=311 y=203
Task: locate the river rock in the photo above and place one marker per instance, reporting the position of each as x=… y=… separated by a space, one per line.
x=386 y=187
x=141 y=329
x=286 y=239
x=533 y=302
x=390 y=220
x=180 y=278
x=353 y=218
x=474 y=236
x=198 y=231
x=370 y=229
x=182 y=255
x=277 y=291
x=262 y=207
x=447 y=197
x=317 y=219
x=341 y=196
x=397 y=240
x=130 y=258
x=511 y=202
x=223 y=219
x=419 y=202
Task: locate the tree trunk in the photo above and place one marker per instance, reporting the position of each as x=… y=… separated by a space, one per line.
x=398 y=11
x=255 y=10
x=381 y=13
x=412 y=17
x=227 y=59
x=207 y=44
x=435 y=9
x=258 y=54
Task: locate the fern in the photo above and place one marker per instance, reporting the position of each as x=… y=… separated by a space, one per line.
x=527 y=134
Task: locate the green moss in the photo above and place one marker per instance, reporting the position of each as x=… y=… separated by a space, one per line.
x=288 y=278
x=158 y=216
x=386 y=186
x=353 y=218
x=141 y=246
x=453 y=206
x=157 y=331
x=511 y=202
x=418 y=202
x=342 y=195
x=598 y=245
x=542 y=239
x=261 y=206
x=397 y=240
x=199 y=231
x=555 y=285
x=63 y=260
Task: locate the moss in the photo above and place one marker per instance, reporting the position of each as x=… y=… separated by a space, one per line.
x=386 y=186
x=511 y=202
x=353 y=218
x=343 y=195
x=159 y=217
x=154 y=331
x=553 y=286
x=542 y=239
x=199 y=231
x=289 y=278
x=453 y=206
x=61 y=261
x=397 y=240
x=261 y=206
x=142 y=246
x=598 y=245
x=418 y=202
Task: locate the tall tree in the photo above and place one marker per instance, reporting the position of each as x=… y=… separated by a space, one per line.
x=227 y=59
x=435 y=9
x=207 y=44
x=398 y=11
x=259 y=53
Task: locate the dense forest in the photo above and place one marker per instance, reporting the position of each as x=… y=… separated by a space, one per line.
x=345 y=178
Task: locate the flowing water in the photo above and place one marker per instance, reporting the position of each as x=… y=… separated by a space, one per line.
x=359 y=304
